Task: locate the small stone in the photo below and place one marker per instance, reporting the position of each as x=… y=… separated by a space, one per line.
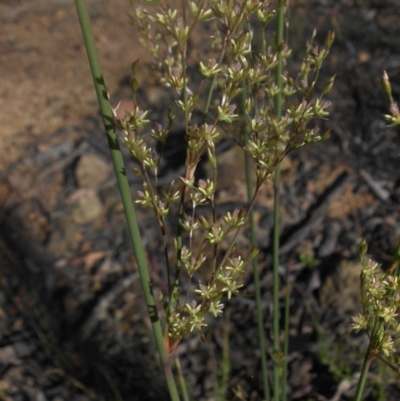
x=4 y=385
x=8 y=356
x=65 y=240
x=86 y=207
x=91 y=171
x=18 y=325
x=36 y=223
x=13 y=354
x=40 y=396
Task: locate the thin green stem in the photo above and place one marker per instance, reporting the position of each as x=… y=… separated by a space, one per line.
x=161 y=224
x=221 y=57
x=182 y=382
x=214 y=217
x=222 y=381
x=364 y=374
x=124 y=189
x=166 y=257
x=383 y=383
x=275 y=247
x=175 y=284
x=389 y=364
x=286 y=340
x=275 y=294
x=257 y=289
x=256 y=274
x=213 y=82
x=233 y=239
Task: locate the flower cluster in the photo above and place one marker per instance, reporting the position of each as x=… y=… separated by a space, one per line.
x=234 y=93
x=380 y=297
x=225 y=282
x=394 y=117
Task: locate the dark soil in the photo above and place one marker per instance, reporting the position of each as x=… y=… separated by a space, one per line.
x=72 y=318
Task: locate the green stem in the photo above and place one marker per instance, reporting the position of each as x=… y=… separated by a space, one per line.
x=221 y=57
x=124 y=189
x=223 y=380
x=257 y=288
x=389 y=364
x=182 y=382
x=286 y=340
x=253 y=242
x=275 y=263
x=175 y=283
x=275 y=294
x=364 y=374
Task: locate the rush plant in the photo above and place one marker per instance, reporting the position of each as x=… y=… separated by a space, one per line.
x=380 y=298
x=239 y=88
x=380 y=294
x=232 y=63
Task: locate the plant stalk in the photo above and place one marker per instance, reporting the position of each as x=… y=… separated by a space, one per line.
x=257 y=289
x=123 y=185
x=275 y=240
x=286 y=339
x=364 y=374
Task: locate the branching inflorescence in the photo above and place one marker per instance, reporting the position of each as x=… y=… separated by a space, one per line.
x=380 y=292
x=236 y=63
x=380 y=298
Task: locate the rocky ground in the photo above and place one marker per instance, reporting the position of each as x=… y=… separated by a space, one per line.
x=72 y=322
